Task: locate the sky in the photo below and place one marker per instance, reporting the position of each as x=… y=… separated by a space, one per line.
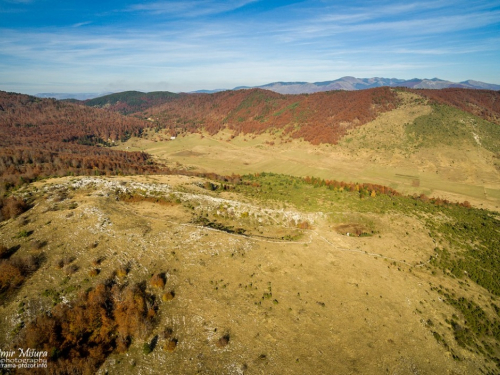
x=109 y=45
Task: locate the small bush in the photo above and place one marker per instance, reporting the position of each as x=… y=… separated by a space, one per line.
x=64 y=261
x=122 y=272
x=168 y=296
x=14 y=271
x=146 y=348
x=24 y=234
x=98 y=261
x=223 y=341
x=170 y=345
x=12 y=207
x=304 y=225
x=4 y=251
x=158 y=280
x=94 y=272
x=168 y=332
x=37 y=245
x=71 y=269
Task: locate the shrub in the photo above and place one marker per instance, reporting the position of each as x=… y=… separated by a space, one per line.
x=23 y=234
x=146 y=348
x=168 y=296
x=94 y=272
x=98 y=261
x=4 y=252
x=37 y=245
x=71 y=269
x=170 y=345
x=12 y=207
x=14 y=271
x=122 y=272
x=223 y=341
x=158 y=280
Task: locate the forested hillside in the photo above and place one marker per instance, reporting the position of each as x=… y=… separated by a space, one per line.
x=317 y=118
x=131 y=101
x=323 y=117
x=43 y=137
x=482 y=103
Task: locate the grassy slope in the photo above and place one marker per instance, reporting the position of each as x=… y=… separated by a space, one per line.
x=319 y=300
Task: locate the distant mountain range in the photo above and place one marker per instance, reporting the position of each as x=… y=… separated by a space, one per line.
x=76 y=96
x=352 y=83
x=344 y=83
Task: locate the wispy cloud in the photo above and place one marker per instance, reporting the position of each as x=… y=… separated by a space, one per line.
x=190 y=8
x=80 y=24
x=18 y=1
x=353 y=22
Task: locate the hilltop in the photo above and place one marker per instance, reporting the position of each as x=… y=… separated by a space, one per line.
x=249 y=275
x=131 y=101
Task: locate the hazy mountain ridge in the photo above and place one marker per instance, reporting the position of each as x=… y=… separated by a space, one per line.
x=68 y=95
x=352 y=83
x=344 y=83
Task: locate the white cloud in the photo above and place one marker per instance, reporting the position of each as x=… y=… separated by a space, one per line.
x=80 y=24
x=190 y=8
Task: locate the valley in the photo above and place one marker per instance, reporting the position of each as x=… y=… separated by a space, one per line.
x=380 y=152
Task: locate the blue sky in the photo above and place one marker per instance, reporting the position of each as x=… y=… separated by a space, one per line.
x=109 y=45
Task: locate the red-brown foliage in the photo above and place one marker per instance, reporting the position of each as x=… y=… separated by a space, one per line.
x=363 y=189
x=78 y=337
x=11 y=276
x=318 y=118
x=158 y=280
x=45 y=137
x=27 y=120
x=482 y=103
x=14 y=271
x=12 y=207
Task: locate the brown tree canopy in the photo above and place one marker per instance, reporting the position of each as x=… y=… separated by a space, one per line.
x=482 y=103
x=322 y=117
x=46 y=137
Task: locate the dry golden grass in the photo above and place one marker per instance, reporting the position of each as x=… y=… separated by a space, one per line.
x=328 y=302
